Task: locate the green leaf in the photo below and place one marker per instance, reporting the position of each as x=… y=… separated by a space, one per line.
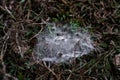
x=22 y=1
x=118 y=49
x=1 y=27
x=20 y=76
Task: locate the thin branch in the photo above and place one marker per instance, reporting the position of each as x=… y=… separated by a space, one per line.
x=37 y=33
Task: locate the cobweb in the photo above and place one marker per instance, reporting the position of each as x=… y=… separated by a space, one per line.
x=61 y=43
